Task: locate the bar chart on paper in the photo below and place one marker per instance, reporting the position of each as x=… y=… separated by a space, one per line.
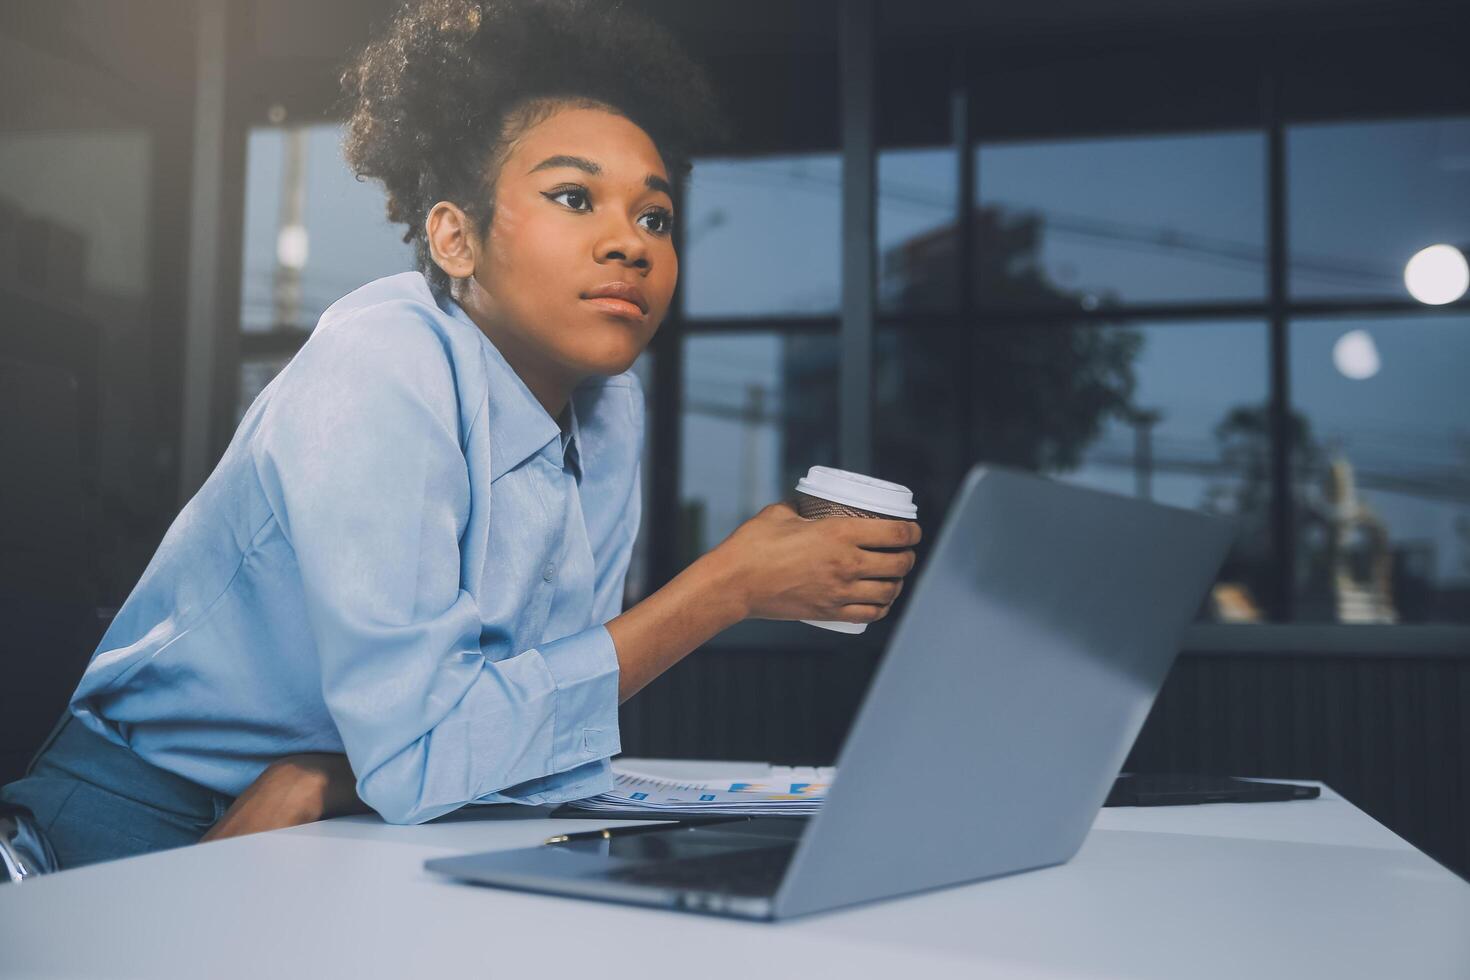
x=783 y=791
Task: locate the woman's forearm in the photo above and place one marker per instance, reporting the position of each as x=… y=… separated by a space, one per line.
x=293 y=790
x=658 y=632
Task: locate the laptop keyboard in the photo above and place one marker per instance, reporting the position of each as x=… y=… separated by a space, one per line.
x=750 y=871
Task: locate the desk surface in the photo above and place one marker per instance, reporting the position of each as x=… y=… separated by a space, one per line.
x=1308 y=888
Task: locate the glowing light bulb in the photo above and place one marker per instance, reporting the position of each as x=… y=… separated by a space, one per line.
x=1355 y=355
x=1437 y=275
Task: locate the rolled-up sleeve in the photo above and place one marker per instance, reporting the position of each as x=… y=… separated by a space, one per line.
x=360 y=458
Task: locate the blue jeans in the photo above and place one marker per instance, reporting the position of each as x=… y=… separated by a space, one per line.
x=96 y=801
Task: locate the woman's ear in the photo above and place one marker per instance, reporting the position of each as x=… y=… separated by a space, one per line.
x=453 y=243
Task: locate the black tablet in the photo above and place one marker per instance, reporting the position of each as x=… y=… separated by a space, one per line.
x=1174 y=789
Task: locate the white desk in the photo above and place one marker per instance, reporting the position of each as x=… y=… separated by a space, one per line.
x=1304 y=889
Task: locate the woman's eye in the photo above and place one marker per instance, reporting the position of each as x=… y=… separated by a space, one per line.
x=666 y=222
x=570 y=192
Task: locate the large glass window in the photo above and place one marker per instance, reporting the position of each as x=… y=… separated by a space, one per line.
x=762 y=237
x=919 y=381
x=95 y=185
x=1176 y=413
x=1170 y=412
x=1383 y=483
x=1103 y=222
x=759 y=409
x=75 y=235
x=1363 y=198
x=917 y=204
x=313 y=232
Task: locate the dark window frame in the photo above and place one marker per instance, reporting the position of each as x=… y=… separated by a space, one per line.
x=857 y=327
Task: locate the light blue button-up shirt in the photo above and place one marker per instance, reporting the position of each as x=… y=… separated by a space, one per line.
x=400 y=557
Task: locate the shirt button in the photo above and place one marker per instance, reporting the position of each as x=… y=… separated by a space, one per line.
x=548 y=572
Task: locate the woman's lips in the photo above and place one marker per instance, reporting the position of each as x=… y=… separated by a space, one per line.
x=618 y=307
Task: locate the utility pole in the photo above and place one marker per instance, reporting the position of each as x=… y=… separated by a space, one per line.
x=291 y=239
x=752 y=420
x=1143 y=421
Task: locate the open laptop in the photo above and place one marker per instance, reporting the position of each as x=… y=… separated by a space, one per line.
x=1034 y=643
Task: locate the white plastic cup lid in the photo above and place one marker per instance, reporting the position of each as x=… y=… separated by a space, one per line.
x=857 y=490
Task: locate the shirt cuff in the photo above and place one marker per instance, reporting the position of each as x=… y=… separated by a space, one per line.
x=590 y=779
x=584 y=667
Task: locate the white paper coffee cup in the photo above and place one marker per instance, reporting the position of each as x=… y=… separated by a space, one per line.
x=829 y=492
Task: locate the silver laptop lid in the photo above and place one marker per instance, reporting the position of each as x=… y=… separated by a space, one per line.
x=1036 y=639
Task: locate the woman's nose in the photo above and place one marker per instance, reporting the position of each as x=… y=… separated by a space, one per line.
x=624 y=244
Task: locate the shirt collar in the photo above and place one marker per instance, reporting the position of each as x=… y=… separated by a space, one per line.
x=572 y=448
x=519 y=425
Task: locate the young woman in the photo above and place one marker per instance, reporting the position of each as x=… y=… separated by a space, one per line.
x=401 y=586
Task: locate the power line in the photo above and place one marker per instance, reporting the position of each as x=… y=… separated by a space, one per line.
x=1227 y=250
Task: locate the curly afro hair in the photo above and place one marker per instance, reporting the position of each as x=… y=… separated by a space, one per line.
x=435 y=104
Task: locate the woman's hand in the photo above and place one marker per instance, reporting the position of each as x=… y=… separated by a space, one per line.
x=791 y=567
x=293 y=790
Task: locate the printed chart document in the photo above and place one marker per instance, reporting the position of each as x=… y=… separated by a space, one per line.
x=784 y=790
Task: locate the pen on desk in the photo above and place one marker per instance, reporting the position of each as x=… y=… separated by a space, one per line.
x=607 y=833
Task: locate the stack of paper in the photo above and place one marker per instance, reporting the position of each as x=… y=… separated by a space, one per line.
x=785 y=790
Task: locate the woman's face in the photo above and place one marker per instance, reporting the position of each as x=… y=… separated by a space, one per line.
x=582 y=201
